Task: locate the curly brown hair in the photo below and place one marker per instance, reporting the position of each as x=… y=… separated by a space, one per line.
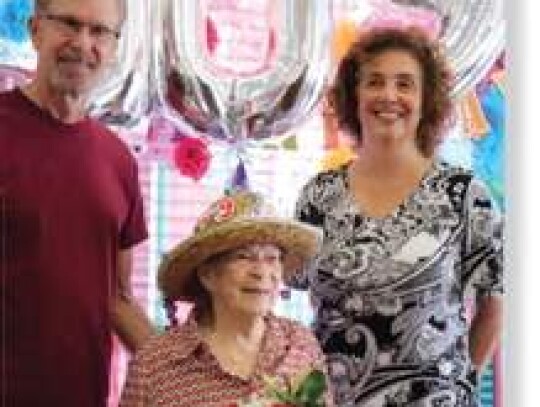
x=436 y=102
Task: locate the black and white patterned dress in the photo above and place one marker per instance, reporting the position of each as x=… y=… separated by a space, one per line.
x=389 y=293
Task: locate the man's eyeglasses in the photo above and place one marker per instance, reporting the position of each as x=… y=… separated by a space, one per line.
x=71 y=26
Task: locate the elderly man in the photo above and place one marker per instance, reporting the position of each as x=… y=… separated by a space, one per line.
x=71 y=213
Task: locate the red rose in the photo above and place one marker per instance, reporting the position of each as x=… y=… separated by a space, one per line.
x=191 y=157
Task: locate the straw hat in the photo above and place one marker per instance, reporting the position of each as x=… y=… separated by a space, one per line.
x=234 y=221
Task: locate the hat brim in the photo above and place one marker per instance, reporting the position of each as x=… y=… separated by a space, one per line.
x=299 y=241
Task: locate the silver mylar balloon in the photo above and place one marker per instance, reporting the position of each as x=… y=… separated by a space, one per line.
x=474 y=35
x=472 y=31
x=123 y=98
x=242 y=101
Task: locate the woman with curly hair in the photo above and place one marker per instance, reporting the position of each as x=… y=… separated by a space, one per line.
x=405 y=237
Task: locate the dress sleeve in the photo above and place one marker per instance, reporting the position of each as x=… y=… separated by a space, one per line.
x=306 y=210
x=135 y=392
x=307 y=206
x=483 y=247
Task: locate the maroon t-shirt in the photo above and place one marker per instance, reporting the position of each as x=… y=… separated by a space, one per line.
x=69 y=201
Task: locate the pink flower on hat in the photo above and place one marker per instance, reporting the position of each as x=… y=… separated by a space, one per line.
x=226 y=209
x=220 y=211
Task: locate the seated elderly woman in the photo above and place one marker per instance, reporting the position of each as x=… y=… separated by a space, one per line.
x=231 y=269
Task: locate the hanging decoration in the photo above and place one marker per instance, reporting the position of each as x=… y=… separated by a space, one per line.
x=344 y=34
x=482 y=113
x=124 y=98
x=191 y=157
x=177 y=146
x=488 y=151
x=241 y=53
x=242 y=71
x=474 y=120
x=239 y=72
x=239 y=181
x=290 y=143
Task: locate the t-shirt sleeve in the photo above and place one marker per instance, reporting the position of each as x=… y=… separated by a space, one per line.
x=134 y=228
x=483 y=251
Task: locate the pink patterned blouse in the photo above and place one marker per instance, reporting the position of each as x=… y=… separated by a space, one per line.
x=177 y=368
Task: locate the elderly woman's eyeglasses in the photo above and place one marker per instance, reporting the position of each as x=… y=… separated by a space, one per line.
x=70 y=25
x=253 y=256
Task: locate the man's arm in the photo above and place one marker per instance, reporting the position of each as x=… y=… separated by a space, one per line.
x=485 y=330
x=130 y=322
